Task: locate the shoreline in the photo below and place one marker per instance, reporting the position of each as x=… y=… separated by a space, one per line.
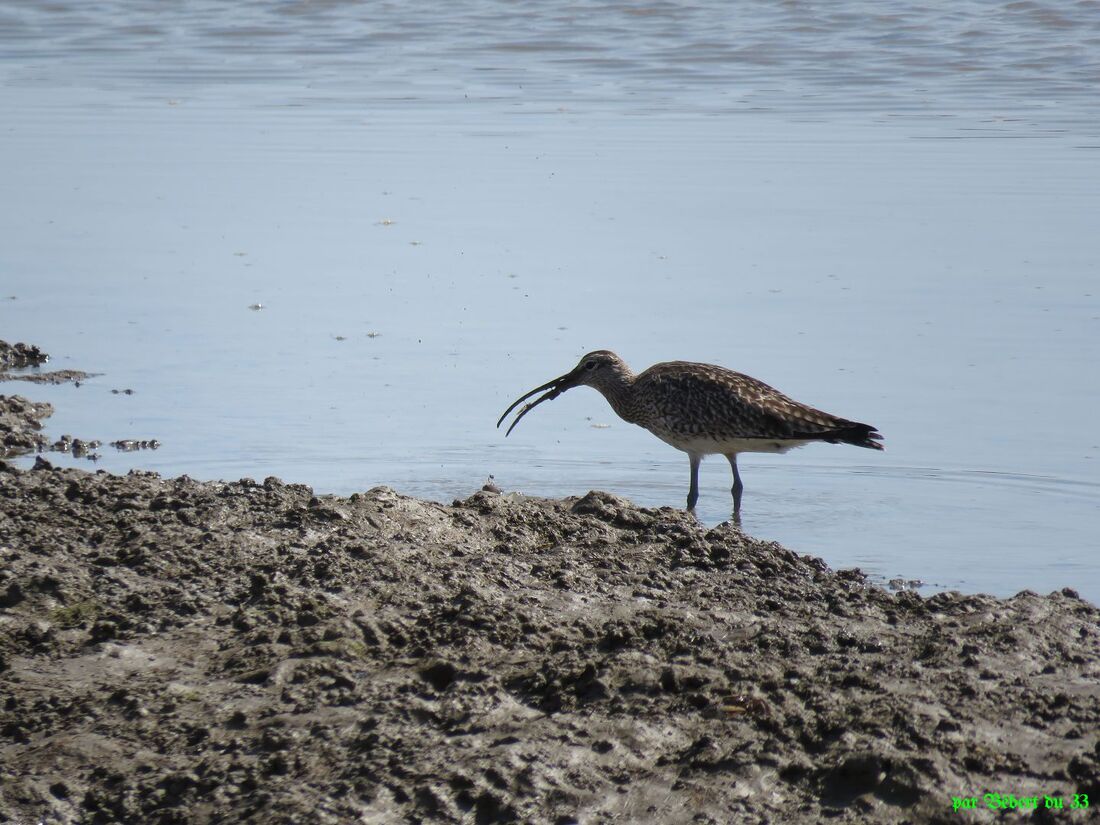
x=183 y=651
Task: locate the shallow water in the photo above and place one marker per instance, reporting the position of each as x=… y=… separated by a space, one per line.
x=886 y=211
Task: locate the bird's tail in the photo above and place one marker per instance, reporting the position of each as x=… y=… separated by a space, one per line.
x=861 y=435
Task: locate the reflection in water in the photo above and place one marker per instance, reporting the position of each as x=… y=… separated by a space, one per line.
x=432 y=208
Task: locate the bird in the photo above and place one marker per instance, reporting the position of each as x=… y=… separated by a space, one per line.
x=702 y=409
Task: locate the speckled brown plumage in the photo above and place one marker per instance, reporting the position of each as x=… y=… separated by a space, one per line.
x=704 y=409
x=682 y=399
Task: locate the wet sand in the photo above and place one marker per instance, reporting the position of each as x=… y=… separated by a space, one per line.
x=182 y=651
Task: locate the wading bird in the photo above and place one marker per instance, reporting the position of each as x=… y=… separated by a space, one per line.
x=703 y=409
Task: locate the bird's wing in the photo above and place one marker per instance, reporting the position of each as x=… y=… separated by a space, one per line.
x=703 y=399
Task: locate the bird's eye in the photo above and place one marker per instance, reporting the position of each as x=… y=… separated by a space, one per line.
x=590 y=365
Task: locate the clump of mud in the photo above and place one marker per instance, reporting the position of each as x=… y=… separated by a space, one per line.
x=21 y=425
x=16 y=356
x=21 y=356
x=174 y=651
x=21 y=420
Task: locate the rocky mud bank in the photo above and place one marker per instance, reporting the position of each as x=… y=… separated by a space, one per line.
x=21 y=425
x=21 y=356
x=176 y=651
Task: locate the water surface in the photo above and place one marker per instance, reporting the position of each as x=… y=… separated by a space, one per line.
x=885 y=210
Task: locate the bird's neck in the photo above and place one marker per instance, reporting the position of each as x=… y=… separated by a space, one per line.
x=618 y=389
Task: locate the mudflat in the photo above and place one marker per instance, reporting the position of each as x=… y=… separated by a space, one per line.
x=177 y=651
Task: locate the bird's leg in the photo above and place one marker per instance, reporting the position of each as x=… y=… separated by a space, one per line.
x=738 y=487
x=693 y=491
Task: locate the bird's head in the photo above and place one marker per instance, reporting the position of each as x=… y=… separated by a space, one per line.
x=601 y=369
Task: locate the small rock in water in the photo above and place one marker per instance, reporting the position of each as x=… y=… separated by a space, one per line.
x=130 y=444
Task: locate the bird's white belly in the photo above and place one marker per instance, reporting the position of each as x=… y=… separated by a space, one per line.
x=704 y=445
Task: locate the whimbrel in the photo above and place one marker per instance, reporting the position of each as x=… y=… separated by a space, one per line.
x=703 y=409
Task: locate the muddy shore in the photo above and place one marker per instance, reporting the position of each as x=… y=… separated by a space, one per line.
x=176 y=651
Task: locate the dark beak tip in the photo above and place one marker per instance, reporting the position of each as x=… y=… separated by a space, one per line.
x=554 y=389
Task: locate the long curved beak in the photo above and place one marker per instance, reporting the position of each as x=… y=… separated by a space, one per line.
x=555 y=387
